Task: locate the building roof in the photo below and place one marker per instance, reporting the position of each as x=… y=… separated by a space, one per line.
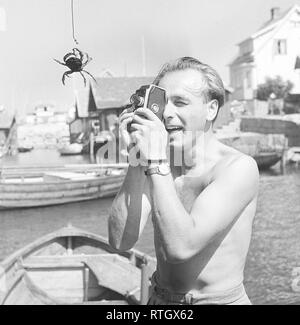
x=109 y=92
x=6 y=120
x=115 y=92
x=273 y=23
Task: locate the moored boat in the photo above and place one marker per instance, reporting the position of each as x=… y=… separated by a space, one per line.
x=72 y=266
x=293 y=155
x=71 y=149
x=30 y=187
x=25 y=148
x=266 y=160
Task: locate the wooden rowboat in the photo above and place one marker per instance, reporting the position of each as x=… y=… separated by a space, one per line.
x=21 y=187
x=72 y=266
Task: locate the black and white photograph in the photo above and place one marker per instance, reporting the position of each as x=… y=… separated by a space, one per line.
x=149 y=154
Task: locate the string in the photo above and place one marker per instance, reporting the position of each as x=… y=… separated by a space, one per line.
x=73 y=26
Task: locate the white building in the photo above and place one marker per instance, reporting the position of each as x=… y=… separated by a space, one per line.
x=270 y=52
x=2 y=20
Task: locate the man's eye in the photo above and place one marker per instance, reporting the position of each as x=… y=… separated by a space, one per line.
x=179 y=103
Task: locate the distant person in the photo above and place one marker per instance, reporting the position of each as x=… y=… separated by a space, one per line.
x=95 y=127
x=202 y=211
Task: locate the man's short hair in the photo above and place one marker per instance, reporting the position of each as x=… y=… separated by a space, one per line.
x=214 y=85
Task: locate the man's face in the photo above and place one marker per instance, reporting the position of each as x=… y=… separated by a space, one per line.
x=186 y=111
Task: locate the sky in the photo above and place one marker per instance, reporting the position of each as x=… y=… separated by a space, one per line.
x=112 y=32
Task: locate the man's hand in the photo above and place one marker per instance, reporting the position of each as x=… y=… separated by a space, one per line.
x=124 y=120
x=149 y=135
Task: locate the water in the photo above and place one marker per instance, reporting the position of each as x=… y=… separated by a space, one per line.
x=42 y=157
x=274 y=250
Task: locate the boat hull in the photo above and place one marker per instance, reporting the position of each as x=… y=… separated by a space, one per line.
x=52 y=193
x=267 y=160
x=24 y=149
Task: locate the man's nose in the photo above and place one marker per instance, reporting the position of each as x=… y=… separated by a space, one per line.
x=169 y=111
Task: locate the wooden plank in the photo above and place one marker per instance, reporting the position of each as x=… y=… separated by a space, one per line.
x=119 y=276
x=52 y=265
x=61 y=261
x=103 y=302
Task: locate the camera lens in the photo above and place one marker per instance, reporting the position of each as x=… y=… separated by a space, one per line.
x=137 y=100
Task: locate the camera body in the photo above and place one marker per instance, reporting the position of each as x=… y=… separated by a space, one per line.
x=151 y=97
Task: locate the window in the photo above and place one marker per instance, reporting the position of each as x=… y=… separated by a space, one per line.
x=280 y=47
x=248 y=79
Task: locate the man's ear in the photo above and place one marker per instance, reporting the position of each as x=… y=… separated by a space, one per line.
x=212 y=110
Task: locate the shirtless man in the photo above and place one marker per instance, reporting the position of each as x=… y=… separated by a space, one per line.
x=203 y=210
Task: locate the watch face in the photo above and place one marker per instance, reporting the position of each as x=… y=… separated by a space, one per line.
x=164 y=169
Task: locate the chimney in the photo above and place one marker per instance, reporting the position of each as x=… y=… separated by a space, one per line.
x=275 y=12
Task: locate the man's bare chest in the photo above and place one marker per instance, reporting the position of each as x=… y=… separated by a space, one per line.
x=189 y=188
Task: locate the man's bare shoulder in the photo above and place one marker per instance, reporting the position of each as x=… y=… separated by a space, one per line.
x=238 y=169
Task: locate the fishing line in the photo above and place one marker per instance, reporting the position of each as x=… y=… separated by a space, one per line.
x=73 y=22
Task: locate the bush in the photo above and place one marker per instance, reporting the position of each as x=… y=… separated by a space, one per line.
x=276 y=85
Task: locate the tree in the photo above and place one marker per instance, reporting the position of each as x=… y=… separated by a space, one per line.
x=277 y=86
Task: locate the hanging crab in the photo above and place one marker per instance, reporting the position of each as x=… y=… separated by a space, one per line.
x=75 y=61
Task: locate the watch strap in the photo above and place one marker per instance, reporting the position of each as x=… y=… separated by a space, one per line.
x=152 y=170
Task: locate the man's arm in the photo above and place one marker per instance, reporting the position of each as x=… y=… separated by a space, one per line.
x=130 y=210
x=184 y=235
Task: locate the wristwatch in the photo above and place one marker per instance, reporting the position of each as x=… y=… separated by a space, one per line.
x=161 y=169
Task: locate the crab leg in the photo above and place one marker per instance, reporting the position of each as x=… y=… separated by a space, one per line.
x=90 y=75
x=66 y=74
x=59 y=62
x=83 y=78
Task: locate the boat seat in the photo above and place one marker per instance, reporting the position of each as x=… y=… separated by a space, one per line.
x=117 y=275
